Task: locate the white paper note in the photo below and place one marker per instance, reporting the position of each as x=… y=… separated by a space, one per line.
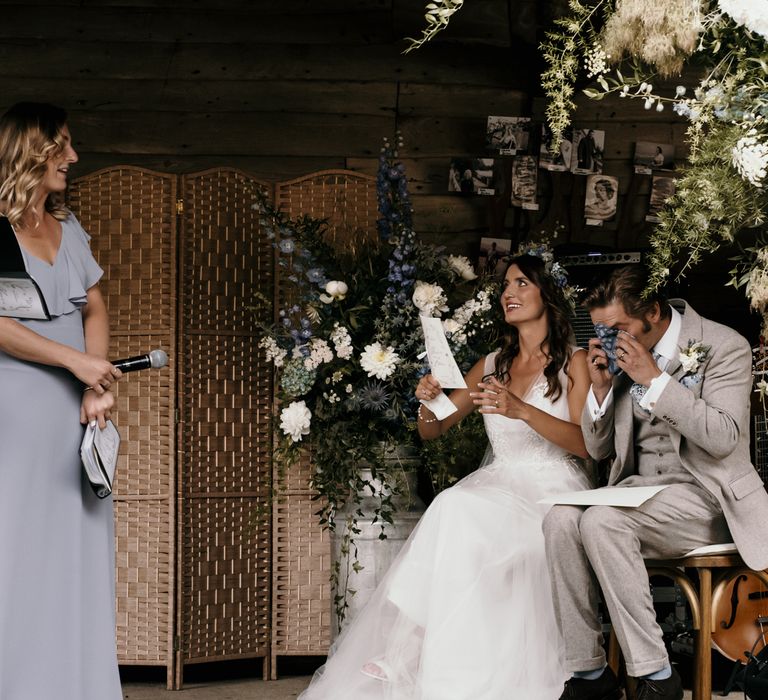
x=441 y=362
x=21 y=298
x=441 y=406
x=628 y=496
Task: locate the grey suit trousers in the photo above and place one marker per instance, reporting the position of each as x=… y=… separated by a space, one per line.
x=603 y=547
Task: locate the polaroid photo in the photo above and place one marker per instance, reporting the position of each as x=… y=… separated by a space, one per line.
x=472 y=176
x=662 y=188
x=587 y=152
x=508 y=135
x=559 y=161
x=601 y=199
x=650 y=156
x=524 y=177
x=494 y=255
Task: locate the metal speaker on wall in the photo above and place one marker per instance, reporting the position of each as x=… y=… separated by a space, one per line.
x=585 y=271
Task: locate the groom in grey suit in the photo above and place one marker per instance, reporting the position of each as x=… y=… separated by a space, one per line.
x=676 y=414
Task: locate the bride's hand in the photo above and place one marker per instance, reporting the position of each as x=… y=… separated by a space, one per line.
x=427 y=388
x=496 y=398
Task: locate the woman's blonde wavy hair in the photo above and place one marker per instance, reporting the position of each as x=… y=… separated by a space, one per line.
x=30 y=134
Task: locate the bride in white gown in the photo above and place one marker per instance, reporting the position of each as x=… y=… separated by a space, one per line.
x=465 y=611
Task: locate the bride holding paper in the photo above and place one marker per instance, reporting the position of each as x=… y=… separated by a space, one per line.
x=465 y=610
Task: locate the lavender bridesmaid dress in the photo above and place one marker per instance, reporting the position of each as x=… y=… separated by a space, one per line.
x=57 y=610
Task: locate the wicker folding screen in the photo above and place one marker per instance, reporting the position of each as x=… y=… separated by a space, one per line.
x=301 y=596
x=195 y=526
x=130 y=214
x=225 y=431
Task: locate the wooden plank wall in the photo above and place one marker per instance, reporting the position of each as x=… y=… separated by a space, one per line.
x=282 y=88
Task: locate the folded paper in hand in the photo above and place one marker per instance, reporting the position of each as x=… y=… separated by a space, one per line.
x=20 y=297
x=99 y=454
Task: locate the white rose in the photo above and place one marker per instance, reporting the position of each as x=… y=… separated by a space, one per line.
x=451 y=326
x=461 y=264
x=429 y=298
x=295 y=420
x=335 y=291
x=689 y=362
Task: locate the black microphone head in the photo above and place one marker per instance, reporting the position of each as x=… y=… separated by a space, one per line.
x=158 y=358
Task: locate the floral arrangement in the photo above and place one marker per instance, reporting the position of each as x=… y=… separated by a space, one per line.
x=629 y=48
x=348 y=345
x=691 y=358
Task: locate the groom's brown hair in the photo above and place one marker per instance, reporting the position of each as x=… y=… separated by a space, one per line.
x=627 y=285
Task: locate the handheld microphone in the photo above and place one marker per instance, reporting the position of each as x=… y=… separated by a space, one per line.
x=154 y=358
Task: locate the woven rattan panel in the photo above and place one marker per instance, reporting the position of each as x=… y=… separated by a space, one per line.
x=225 y=439
x=301 y=607
x=130 y=214
x=302 y=560
x=144 y=565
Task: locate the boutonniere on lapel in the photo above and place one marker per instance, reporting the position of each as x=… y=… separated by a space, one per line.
x=691 y=359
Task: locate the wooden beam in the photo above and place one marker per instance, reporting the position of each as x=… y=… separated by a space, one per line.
x=147 y=95
x=70 y=60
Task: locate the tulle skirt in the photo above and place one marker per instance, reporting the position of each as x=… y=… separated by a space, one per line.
x=465 y=612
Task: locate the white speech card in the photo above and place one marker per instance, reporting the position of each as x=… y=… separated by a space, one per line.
x=441 y=362
x=626 y=497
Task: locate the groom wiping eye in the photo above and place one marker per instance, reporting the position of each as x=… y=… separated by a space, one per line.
x=609 y=338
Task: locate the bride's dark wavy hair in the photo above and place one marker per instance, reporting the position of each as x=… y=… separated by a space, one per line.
x=559 y=332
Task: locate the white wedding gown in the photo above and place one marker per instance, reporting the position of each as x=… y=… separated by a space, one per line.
x=465 y=611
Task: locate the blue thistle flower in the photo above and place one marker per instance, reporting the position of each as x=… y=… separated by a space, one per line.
x=374 y=397
x=316 y=276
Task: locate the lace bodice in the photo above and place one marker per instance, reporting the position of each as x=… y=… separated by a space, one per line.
x=514 y=441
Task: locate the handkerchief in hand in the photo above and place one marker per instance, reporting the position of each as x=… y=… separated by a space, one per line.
x=608 y=338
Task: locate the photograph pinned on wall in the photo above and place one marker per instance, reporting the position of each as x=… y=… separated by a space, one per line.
x=561 y=160
x=650 y=156
x=601 y=200
x=494 y=253
x=524 y=177
x=472 y=176
x=508 y=135
x=662 y=189
x=587 y=151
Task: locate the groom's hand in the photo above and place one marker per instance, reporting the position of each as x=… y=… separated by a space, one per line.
x=636 y=360
x=598 y=370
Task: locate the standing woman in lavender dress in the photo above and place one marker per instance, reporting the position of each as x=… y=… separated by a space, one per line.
x=57 y=616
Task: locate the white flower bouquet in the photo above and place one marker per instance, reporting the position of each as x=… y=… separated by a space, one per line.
x=347 y=346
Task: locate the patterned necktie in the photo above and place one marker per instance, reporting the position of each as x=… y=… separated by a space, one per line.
x=637 y=391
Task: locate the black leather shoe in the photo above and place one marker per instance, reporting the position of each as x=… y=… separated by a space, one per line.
x=669 y=689
x=606 y=687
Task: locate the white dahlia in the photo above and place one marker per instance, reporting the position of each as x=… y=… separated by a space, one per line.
x=379 y=361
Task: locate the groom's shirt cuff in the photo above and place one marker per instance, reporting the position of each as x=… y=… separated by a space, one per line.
x=658 y=384
x=596 y=411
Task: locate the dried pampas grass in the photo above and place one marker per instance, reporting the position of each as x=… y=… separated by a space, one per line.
x=663 y=33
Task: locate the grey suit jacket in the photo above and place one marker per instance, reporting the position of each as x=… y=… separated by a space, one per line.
x=709 y=425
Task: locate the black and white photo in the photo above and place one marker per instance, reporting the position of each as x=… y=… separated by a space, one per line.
x=524 y=179
x=601 y=199
x=559 y=161
x=651 y=155
x=508 y=135
x=472 y=176
x=662 y=189
x=493 y=255
x=587 y=152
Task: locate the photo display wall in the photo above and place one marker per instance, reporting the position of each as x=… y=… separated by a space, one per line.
x=581 y=152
